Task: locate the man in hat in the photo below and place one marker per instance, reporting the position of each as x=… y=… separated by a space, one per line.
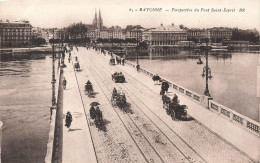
x=88 y=85
x=68 y=120
x=64 y=82
x=175 y=99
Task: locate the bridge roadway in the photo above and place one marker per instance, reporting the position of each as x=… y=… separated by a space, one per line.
x=145 y=133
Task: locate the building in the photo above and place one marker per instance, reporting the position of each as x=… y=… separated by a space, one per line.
x=164 y=35
x=217 y=34
x=98 y=21
x=103 y=34
x=97 y=30
x=135 y=33
x=197 y=35
x=117 y=33
x=15 y=34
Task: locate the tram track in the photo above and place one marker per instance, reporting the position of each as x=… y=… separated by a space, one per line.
x=126 y=86
x=141 y=145
x=187 y=157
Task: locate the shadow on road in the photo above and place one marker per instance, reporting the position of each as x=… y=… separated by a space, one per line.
x=75 y=129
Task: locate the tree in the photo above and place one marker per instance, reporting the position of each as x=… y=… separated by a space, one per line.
x=78 y=30
x=142 y=45
x=181 y=26
x=38 y=41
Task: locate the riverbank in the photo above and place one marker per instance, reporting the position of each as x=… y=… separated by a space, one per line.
x=26 y=53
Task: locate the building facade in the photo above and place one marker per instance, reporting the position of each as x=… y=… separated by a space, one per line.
x=134 y=34
x=15 y=34
x=165 y=35
x=197 y=35
x=220 y=33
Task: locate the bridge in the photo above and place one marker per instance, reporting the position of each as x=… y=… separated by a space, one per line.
x=213 y=133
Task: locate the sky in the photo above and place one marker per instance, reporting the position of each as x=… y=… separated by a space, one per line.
x=243 y=14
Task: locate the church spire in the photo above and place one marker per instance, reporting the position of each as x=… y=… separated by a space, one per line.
x=100 y=20
x=95 y=21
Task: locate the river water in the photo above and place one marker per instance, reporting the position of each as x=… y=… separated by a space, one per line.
x=25 y=99
x=234 y=82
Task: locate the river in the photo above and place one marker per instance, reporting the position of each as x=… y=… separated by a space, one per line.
x=25 y=99
x=234 y=82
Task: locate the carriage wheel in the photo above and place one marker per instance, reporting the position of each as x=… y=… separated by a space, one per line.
x=173 y=115
x=185 y=113
x=167 y=109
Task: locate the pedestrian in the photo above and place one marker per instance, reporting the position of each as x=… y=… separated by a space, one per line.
x=64 y=82
x=68 y=120
x=123 y=61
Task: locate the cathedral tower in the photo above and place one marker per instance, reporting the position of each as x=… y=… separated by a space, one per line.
x=95 y=21
x=99 y=21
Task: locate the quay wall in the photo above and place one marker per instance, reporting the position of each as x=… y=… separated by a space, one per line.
x=1 y=125
x=234 y=117
x=48 y=157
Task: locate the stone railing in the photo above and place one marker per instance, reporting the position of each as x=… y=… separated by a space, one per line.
x=236 y=118
x=239 y=119
x=48 y=157
x=1 y=125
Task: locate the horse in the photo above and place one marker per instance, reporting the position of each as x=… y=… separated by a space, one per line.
x=156 y=79
x=121 y=102
x=77 y=66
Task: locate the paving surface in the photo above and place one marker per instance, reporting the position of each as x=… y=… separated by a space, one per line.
x=145 y=133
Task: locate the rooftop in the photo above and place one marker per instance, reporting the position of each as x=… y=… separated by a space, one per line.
x=167 y=28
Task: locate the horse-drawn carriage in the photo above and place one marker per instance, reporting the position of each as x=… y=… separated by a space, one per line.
x=118 y=77
x=77 y=66
x=112 y=61
x=173 y=108
x=88 y=88
x=118 y=99
x=164 y=88
x=96 y=114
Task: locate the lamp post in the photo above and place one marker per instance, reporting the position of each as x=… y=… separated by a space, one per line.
x=137 y=53
x=53 y=74
x=206 y=72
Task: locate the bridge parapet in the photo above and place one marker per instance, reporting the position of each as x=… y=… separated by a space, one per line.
x=48 y=157
x=1 y=125
x=233 y=116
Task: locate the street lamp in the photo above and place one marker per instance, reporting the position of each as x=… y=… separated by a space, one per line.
x=137 y=52
x=206 y=72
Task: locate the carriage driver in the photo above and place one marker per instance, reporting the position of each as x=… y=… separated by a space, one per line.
x=175 y=99
x=114 y=90
x=88 y=85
